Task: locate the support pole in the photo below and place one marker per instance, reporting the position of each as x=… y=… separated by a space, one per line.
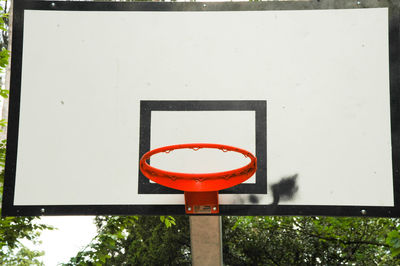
x=206 y=240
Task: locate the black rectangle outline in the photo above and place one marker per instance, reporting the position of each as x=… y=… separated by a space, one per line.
x=9 y=209
x=260 y=108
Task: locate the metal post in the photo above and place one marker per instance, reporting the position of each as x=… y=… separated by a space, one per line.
x=206 y=240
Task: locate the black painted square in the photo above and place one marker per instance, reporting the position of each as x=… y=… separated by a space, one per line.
x=260 y=108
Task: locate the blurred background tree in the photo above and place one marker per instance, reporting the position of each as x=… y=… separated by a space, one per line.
x=248 y=240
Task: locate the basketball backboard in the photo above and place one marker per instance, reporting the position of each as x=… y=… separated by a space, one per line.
x=311 y=90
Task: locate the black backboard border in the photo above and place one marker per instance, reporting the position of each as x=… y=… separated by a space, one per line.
x=8 y=207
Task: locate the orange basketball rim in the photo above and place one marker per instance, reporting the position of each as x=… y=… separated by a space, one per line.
x=201 y=189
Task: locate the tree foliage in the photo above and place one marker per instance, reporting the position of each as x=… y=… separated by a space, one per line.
x=308 y=241
x=22 y=257
x=137 y=240
x=4 y=52
x=246 y=241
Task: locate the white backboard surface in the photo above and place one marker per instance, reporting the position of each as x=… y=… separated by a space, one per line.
x=323 y=76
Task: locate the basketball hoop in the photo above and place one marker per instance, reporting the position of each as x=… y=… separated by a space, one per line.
x=200 y=189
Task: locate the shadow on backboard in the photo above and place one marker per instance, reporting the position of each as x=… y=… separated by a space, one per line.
x=284 y=190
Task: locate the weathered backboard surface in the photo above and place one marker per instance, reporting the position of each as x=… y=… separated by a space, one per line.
x=311 y=88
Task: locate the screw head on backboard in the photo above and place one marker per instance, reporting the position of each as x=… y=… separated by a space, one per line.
x=189 y=208
x=363 y=212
